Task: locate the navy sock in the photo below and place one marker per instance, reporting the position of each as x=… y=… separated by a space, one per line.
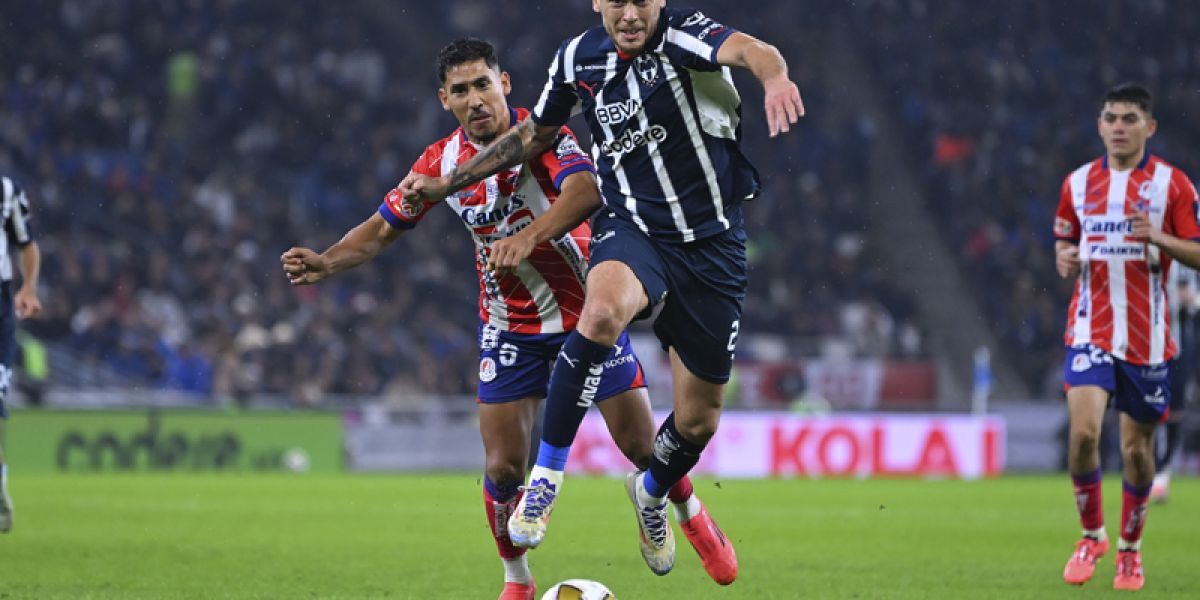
x=572 y=391
x=498 y=493
x=673 y=457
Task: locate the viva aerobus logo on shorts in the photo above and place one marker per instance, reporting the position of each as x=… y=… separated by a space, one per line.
x=169 y=441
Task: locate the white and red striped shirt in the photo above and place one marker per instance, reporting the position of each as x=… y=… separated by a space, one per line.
x=1120 y=299
x=545 y=293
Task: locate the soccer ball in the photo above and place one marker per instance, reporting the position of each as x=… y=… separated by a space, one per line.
x=295 y=460
x=579 y=589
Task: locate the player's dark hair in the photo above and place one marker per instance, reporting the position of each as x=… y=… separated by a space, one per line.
x=465 y=50
x=1133 y=94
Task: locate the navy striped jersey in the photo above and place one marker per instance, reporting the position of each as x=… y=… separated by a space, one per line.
x=665 y=125
x=14 y=212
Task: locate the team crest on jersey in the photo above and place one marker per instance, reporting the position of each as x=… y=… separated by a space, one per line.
x=487 y=369
x=1147 y=189
x=1063 y=227
x=646 y=67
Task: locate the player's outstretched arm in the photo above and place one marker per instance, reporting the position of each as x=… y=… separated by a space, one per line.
x=517 y=145
x=783 y=104
x=304 y=266
x=577 y=201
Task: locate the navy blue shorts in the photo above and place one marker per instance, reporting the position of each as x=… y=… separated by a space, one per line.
x=8 y=344
x=1142 y=392
x=700 y=284
x=513 y=366
x=1180 y=368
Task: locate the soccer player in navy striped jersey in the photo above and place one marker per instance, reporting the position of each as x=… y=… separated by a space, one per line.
x=653 y=83
x=14 y=229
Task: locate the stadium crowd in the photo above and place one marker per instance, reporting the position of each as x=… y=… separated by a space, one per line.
x=1003 y=116
x=172 y=150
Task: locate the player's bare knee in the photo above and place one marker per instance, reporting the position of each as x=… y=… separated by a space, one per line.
x=698 y=428
x=1137 y=453
x=1085 y=441
x=601 y=322
x=505 y=473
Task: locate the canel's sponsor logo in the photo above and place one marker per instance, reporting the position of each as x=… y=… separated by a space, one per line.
x=1095 y=225
x=476 y=216
x=631 y=140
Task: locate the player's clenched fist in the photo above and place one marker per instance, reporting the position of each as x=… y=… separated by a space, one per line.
x=507 y=253
x=1142 y=228
x=416 y=187
x=1067 y=262
x=303 y=266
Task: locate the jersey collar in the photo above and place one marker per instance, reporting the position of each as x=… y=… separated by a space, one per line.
x=1141 y=165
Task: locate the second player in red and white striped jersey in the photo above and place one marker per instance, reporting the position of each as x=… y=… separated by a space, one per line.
x=1120 y=299
x=545 y=293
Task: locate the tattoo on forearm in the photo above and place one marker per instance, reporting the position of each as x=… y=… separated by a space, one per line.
x=508 y=151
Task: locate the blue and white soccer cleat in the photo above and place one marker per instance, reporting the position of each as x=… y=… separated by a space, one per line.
x=527 y=525
x=657 y=537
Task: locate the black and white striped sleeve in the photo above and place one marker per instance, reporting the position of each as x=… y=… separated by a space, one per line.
x=693 y=39
x=559 y=99
x=16 y=209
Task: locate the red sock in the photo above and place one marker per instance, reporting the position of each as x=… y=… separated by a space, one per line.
x=497 y=515
x=1133 y=511
x=681 y=491
x=1087 y=499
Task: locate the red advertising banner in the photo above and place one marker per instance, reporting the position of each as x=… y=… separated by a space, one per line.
x=788 y=445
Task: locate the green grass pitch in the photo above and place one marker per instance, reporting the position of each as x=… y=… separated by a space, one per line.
x=410 y=536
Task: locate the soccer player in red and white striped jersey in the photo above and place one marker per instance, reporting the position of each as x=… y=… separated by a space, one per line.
x=526 y=311
x=1122 y=219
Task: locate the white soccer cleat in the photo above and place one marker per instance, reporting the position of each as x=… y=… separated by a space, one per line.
x=527 y=525
x=1160 y=489
x=656 y=536
x=6 y=511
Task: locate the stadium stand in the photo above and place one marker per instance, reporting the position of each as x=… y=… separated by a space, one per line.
x=174 y=150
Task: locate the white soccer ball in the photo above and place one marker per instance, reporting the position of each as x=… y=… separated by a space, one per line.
x=579 y=589
x=296 y=460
